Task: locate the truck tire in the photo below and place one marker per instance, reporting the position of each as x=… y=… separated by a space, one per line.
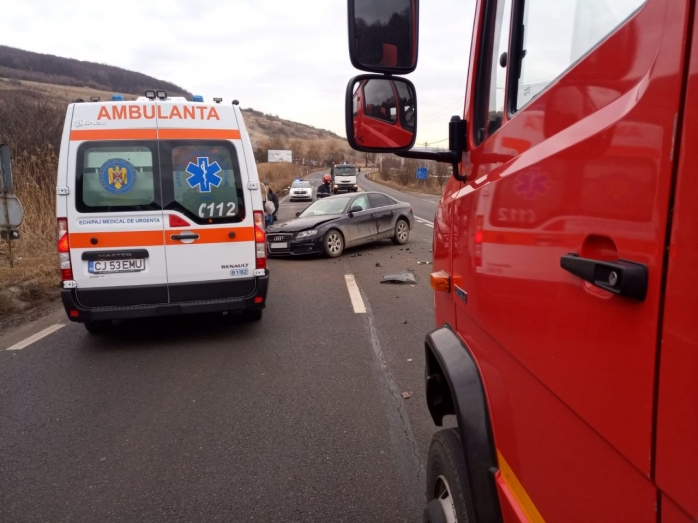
x=402 y=232
x=447 y=480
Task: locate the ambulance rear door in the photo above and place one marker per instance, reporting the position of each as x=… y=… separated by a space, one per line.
x=209 y=233
x=115 y=219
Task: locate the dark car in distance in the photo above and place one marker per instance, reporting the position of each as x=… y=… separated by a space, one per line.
x=331 y=224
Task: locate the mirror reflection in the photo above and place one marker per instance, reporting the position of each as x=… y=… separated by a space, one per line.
x=384 y=113
x=384 y=34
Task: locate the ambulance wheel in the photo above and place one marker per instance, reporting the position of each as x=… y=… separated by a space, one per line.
x=448 y=490
x=402 y=232
x=333 y=243
x=98 y=327
x=252 y=315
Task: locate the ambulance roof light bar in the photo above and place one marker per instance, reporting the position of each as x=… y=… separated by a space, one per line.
x=117 y=98
x=94 y=98
x=218 y=100
x=197 y=98
x=162 y=95
x=150 y=94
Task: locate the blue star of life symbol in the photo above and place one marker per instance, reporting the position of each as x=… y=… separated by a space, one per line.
x=204 y=174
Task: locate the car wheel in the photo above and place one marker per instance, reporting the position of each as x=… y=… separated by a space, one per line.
x=98 y=327
x=333 y=243
x=252 y=315
x=448 y=490
x=402 y=232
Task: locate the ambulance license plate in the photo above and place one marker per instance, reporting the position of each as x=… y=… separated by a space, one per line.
x=105 y=267
x=278 y=245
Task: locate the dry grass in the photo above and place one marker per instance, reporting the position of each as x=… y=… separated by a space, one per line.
x=35 y=274
x=280 y=175
x=429 y=186
x=62 y=93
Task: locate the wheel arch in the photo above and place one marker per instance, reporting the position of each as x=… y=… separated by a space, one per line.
x=454 y=386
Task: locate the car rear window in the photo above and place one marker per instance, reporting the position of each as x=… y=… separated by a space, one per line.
x=116 y=178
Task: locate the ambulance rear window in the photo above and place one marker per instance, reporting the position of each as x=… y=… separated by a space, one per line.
x=202 y=180
x=115 y=178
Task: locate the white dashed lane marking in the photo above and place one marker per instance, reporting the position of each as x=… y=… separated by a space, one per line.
x=424 y=222
x=355 y=294
x=36 y=337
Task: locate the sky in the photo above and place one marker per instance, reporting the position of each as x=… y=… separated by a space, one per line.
x=287 y=58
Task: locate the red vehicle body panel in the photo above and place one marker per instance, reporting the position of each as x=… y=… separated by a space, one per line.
x=570 y=371
x=677 y=421
x=370 y=131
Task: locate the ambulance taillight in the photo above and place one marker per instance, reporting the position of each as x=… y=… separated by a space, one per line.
x=260 y=240
x=64 y=250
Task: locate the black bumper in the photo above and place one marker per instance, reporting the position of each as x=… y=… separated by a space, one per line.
x=80 y=313
x=299 y=248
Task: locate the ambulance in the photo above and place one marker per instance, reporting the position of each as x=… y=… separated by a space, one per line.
x=159 y=211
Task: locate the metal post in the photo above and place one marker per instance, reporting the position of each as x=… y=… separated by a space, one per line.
x=6 y=206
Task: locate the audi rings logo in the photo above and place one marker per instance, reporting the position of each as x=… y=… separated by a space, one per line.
x=278 y=238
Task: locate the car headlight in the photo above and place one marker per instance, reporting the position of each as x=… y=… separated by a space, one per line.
x=306 y=234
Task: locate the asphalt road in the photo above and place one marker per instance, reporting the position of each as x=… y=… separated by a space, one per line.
x=297 y=418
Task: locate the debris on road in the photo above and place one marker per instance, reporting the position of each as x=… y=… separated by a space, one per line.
x=423 y=263
x=402 y=277
x=354 y=255
x=404 y=322
x=409 y=359
x=407 y=395
x=378 y=264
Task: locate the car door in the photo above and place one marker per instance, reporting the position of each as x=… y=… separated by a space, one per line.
x=114 y=206
x=677 y=417
x=570 y=163
x=362 y=224
x=384 y=213
x=209 y=232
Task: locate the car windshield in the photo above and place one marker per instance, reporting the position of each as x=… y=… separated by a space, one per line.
x=334 y=205
x=300 y=185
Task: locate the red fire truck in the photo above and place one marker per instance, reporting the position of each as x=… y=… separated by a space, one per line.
x=563 y=251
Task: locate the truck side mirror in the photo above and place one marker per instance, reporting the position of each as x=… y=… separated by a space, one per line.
x=383 y=35
x=380 y=113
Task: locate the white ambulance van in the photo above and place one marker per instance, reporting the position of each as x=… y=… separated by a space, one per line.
x=159 y=211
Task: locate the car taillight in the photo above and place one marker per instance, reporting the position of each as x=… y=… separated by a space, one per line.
x=64 y=250
x=260 y=240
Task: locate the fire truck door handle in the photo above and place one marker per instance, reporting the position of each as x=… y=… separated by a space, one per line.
x=622 y=277
x=185 y=236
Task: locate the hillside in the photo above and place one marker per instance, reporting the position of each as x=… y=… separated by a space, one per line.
x=26 y=65
x=266 y=131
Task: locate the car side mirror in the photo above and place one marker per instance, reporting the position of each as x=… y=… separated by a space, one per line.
x=356 y=208
x=383 y=35
x=380 y=113
x=298 y=214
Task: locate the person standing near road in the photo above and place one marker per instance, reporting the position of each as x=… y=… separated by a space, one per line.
x=269 y=208
x=271 y=195
x=324 y=189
